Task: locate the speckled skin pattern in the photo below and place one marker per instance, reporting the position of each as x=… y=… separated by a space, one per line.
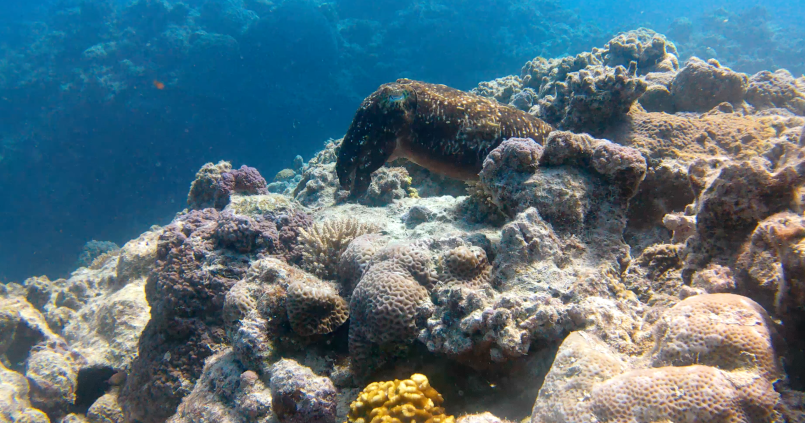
x=442 y=129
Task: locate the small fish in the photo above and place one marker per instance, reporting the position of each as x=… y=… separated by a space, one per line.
x=118 y=378
x=159 y=85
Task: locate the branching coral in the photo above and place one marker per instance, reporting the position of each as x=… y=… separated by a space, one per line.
x=410 y=401
x=323 y=243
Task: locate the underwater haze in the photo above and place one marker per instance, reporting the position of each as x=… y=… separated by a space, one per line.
x=92 y=150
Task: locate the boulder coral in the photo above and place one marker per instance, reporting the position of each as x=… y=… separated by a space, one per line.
x=215 y=183
x=701 y=368
x=701 y=86
x=389 y=302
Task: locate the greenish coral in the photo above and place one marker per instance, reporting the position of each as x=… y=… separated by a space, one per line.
x=253 y=205
x=284 y=175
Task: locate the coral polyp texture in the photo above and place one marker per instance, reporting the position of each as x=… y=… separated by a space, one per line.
x=644 y=262
x=714 y=361
x=398 y=401
x=315 y=307
x=440 y=128
x=389 y=302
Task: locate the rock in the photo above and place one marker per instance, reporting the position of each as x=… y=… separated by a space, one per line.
x=14 y=395
x=226 y=392
x=299 y=396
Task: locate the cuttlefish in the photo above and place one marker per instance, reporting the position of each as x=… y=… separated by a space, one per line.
x=442 y=129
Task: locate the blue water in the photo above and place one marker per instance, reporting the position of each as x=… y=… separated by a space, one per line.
x=92 y=149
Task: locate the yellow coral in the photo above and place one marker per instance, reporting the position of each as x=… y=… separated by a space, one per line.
x=401 y=401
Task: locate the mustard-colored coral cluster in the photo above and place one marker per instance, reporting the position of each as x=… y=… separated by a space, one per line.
x=401 y=401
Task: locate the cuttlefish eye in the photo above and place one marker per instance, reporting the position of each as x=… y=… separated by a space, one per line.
x=395 y=97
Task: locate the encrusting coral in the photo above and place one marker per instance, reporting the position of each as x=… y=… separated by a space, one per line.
x=400 y=401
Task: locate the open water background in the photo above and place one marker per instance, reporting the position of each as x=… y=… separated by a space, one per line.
x=91 y=149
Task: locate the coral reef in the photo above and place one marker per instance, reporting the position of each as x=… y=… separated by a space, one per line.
x=590 y=91
x=570 y=167
x=226 y=392
x=732 y=197
x=75 y=333
x=657 y=274
x=186 y=292
x=255 y=315
x=590 y=99
x=410 y=399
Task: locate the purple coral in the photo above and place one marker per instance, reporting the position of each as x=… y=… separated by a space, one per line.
x=246 y=180
x=186 y=292
x=288 y=226
x=245 y=234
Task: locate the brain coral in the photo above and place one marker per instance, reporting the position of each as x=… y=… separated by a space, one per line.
x=719 y=366
x=466 y=265
x=356 y=258
x=314 y=307
x=721 y=330
x=411 y=401
x=390 y=302
x=323 y=243
x=676 y=394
